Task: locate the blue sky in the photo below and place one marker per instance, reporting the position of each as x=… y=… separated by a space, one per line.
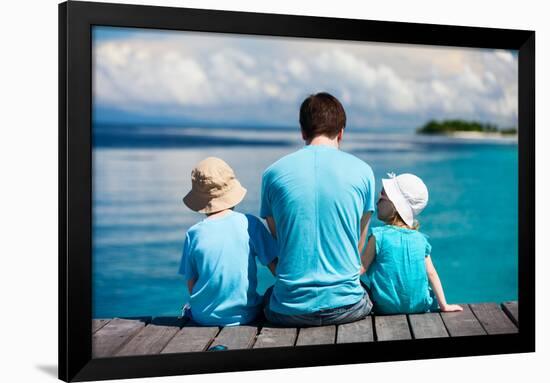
x=150 y=76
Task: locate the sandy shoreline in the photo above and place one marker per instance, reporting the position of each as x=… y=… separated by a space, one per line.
x=483 y=136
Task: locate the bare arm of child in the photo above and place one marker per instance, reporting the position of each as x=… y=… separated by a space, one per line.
x=365 y=221
x=435 y=282
x=191 y=284
x=368 y=255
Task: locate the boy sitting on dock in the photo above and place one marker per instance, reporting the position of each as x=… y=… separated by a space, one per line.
x=397 y=258
x=219 y=253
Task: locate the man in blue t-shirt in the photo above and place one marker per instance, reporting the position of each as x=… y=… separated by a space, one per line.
x=318 y=202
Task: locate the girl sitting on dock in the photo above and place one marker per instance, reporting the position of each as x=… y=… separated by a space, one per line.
x=397 y=259
x=219 y=252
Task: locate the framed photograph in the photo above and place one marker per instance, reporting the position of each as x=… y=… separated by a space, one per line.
x=244 y=191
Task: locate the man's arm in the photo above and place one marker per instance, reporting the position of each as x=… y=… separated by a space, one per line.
x=271 y=225
x=365 y=222
x=368 y=255
x=273 y=266
x=191 y=284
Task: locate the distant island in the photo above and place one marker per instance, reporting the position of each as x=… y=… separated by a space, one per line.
x=462 y=128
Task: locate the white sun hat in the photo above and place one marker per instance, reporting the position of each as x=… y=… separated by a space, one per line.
x=408 y=193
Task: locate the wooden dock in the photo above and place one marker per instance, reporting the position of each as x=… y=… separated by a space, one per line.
x=160 y=335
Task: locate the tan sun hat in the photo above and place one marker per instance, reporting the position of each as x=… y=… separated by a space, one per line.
x=214 y=187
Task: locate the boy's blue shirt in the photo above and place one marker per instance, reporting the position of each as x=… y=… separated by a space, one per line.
x=317 y=197
x=219 y=253
x=397 y=277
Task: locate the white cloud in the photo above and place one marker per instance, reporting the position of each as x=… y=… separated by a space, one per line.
x=236 y=77
x=505 y=56
x=297 y=69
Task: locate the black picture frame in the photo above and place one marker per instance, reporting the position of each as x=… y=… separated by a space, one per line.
x=75 y=189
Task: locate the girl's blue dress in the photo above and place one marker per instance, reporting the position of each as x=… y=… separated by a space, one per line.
x=397 y=277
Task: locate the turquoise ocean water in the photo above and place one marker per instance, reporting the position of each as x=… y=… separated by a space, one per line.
x=140 y=175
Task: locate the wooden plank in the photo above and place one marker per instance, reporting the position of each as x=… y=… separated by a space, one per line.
x=109 y=339
x=236 y=337
x=511 y=309
x=360 y=331
x=428 y=325
x=316 y=335
x=276 y=337
x=154 y=337
x=97 y=324
x=191 y=339
x=392 y=327
x=150 y=340
x=462 y=323
x=493 y=319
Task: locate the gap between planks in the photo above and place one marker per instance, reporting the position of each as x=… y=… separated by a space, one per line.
x=493 y=319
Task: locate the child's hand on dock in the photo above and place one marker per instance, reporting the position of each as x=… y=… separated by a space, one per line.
x=448 y=308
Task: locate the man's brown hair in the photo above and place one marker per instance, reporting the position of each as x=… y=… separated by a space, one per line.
x=322 y=114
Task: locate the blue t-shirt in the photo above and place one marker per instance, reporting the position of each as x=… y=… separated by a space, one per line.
x=219 y=253
x=317 y=196
x=397 y=277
